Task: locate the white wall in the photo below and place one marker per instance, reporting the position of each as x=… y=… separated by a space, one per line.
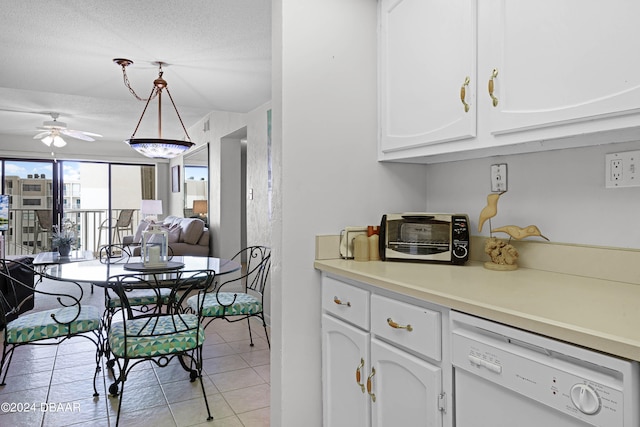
x=327 y=176
x=562 y=192
x=258 y=222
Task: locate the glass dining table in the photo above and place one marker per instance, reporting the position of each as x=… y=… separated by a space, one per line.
x=97 y=272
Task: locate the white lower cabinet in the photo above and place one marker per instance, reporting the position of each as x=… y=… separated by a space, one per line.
x=406 y=389
x=345 y=351
x=388 y=374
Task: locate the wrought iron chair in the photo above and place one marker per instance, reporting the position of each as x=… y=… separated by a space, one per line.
x=69 y=319
x=122 y=223
x=239 y=298
x=140 y=300
x=162 y=334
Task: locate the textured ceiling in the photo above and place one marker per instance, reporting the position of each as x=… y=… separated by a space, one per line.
x=57 y=57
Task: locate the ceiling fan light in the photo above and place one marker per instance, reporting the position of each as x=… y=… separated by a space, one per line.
x=47 y=140
x=156 y=148
x=58 y=141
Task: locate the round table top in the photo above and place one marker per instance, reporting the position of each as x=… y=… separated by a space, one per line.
x=98 y=273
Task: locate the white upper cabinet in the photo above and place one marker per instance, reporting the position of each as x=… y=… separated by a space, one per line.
x=427 y=52
x=560 y=62
x=549 y=70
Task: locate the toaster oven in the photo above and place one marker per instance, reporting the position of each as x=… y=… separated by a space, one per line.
x=424 y=237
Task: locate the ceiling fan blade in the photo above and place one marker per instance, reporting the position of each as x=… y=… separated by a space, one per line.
x=91 y=133
x=76 y=134
x=41 y=135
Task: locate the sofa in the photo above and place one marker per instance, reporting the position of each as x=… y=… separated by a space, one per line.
x=187 y=236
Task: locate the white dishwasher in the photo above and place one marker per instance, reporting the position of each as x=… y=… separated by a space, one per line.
x=505 y=377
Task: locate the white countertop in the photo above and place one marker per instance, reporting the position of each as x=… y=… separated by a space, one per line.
x=599 y=314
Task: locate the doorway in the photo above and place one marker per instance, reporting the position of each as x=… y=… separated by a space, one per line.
x=231 y=193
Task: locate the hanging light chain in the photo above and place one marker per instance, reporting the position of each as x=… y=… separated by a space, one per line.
x=125 y=78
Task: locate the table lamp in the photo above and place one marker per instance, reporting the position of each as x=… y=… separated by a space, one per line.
x=200 y=208
x=151 y=209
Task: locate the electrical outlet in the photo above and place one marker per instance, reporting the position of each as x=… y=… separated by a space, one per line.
x=621 y=168
x=499 y=178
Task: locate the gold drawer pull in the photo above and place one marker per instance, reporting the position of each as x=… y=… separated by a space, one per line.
x=373 y=396
x=339 y=302
x=494 y=74
x=463 y=93
x=394 y=325
x=358 y=376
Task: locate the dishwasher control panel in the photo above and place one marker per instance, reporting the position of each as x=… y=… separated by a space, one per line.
x=577 y=389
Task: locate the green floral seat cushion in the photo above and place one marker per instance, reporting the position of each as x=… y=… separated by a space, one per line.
x=147 y=337
x=40 y=325
x=244 y=304
x=138 y=298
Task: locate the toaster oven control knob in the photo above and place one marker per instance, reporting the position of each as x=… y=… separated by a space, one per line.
x=460 y=251
x=585 y=399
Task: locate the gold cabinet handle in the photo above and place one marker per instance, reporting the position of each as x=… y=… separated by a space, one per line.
x=494 y=74
x=463 y=93
x=339 y=302
x=373 y=396
x=395 y=325
x=358 y=375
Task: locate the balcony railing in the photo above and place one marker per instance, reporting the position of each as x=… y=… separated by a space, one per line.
x=26 y=236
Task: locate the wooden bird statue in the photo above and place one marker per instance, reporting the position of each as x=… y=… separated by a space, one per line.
x=519 y=233
x=490 y=210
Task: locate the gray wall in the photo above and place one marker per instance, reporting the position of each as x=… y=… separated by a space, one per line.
x=562 y=192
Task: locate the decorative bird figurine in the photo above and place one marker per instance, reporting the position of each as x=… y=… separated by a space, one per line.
x=490 y=210
x=519 y=233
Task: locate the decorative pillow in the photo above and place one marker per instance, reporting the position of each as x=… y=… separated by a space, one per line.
x=137 y=238
x=170 y=220
x=174 y=233
x=192 y=229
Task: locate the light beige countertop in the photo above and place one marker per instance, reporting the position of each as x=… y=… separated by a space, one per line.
x=595 y=313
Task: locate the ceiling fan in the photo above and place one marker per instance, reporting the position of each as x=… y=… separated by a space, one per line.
x=54 y=130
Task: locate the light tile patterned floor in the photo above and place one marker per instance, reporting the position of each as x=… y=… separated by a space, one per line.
x=52 y=385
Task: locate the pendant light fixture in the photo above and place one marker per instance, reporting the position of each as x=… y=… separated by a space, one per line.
x=157 y=148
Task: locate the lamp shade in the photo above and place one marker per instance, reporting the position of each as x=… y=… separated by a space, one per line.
x=200 y=206
x=159 y=148
x=151 y=207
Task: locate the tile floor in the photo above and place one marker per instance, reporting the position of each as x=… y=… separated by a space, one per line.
x=54 y=383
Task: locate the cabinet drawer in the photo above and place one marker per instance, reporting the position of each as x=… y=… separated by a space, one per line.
x=346 y=302
x=413 y=327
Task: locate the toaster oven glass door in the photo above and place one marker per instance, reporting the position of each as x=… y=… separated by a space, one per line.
x=426 y=237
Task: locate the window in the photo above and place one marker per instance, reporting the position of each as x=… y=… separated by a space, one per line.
x=32 y=187
x=58 y=187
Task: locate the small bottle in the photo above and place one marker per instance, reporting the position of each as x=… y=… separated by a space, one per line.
x=361 y=248
x=374 y=251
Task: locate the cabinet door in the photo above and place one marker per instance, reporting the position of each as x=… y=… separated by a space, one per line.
x=406 y=389
x=345 y=350
x=559 y=62
x=427 y=50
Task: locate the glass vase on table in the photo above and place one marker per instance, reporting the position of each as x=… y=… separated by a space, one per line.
x=155 y=247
